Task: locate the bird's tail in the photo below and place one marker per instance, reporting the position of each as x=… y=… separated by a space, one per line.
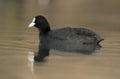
x=99 y=41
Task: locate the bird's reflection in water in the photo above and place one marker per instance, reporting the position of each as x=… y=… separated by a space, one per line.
x=45 y=47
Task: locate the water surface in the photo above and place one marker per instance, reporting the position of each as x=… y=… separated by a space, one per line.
x=16 y=40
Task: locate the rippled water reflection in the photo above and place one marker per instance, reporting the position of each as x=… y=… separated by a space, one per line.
x=16 y=40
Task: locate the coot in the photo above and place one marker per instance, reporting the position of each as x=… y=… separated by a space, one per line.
x=66 y=35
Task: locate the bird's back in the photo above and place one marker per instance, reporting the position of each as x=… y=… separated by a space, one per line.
x=74 y=34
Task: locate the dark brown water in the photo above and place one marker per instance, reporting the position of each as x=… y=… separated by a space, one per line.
x=17 y=40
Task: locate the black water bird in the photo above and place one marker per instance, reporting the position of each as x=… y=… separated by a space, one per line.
x=66 y=39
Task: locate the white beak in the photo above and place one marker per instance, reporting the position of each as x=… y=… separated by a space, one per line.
x=32 y=23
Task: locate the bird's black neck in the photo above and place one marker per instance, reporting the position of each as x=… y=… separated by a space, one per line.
x=44 y=29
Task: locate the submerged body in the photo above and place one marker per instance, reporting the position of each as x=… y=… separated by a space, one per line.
x=70 y=39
